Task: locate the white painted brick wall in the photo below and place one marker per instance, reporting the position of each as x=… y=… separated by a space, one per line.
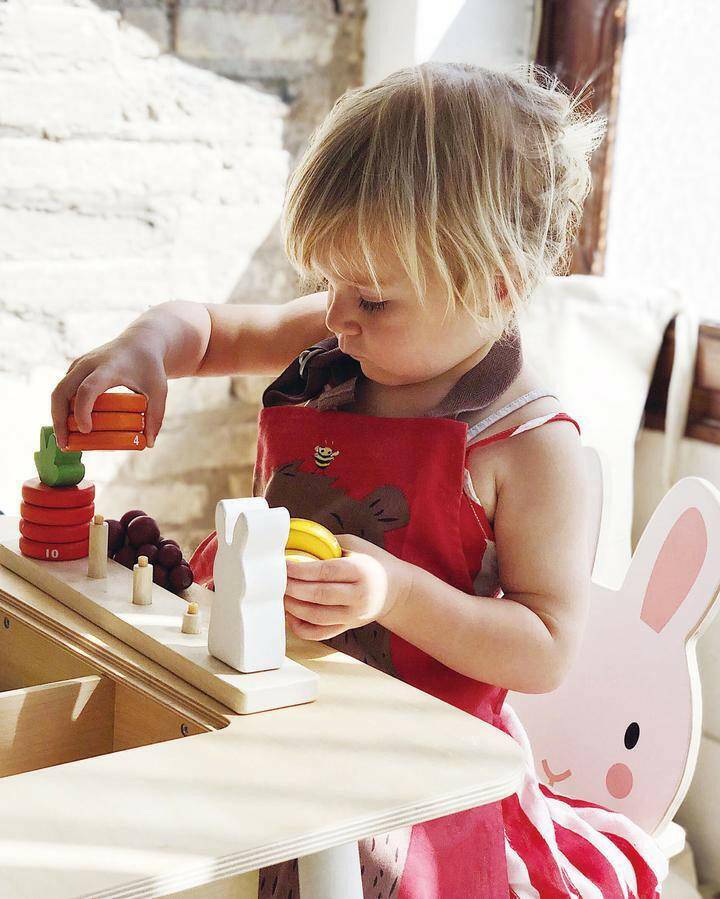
x=130 y=178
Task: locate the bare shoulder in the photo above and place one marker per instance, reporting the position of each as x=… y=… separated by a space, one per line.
x=551 y=450
x=543 y=470
x=542 y=476
x=545 y=459
x=542 y=529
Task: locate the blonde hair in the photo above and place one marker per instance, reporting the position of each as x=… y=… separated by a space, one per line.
x=456 y=170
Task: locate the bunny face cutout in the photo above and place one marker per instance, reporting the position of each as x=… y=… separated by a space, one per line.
x=623 y=729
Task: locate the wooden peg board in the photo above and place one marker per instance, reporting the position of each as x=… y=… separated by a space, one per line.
x=155 y=630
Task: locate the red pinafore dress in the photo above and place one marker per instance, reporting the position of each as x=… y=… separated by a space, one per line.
x=403 y=484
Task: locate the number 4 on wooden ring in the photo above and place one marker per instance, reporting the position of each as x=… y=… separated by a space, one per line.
x=107 y=440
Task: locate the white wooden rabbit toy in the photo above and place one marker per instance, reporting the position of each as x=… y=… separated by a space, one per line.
x=247 y=620
x=623 y=729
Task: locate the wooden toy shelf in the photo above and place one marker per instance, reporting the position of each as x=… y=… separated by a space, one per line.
x=57 y=708
x=155 y=630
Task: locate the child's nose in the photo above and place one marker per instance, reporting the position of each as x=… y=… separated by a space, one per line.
x=340 y=316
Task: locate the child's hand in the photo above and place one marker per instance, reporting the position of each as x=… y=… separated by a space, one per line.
x=134 y=363
x=325 y=598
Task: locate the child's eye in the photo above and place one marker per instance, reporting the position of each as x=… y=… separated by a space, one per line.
x=371 y=307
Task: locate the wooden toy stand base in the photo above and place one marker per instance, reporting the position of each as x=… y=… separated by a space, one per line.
x=155 y=630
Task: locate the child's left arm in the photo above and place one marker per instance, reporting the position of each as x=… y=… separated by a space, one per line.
x=527 y=639
x=524 y=641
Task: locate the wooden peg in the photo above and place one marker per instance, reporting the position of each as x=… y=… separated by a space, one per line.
x=98 y=548
x=191 y=619
x=142 y=582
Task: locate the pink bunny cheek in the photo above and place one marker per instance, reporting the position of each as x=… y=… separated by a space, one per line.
x=619 y=780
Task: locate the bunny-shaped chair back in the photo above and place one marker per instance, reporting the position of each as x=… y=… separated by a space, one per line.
x=623 y=729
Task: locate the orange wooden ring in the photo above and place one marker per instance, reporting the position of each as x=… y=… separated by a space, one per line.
x=59 y=533
x=54 y=552
x=111 y=421
x=39 y=494
x=62 y=517
x=107 y=440
x=117 y=402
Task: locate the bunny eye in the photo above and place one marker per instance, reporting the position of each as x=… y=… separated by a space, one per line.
x=632 y=735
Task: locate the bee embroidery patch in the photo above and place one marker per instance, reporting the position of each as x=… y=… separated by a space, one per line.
x=324 y=455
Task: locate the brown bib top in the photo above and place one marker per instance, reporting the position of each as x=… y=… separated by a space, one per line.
x=325 y=378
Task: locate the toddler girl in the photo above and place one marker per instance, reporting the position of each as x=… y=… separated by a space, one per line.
x=427 y=207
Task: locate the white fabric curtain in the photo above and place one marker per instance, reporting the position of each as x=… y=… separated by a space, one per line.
x=595 y=342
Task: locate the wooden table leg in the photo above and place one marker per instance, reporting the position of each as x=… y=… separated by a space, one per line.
x=331 y=873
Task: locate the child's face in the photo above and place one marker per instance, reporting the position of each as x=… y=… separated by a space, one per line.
x=396 y=340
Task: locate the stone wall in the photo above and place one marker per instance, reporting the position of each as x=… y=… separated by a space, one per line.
x=145 y=148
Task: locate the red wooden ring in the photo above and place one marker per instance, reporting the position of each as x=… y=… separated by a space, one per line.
x=59 y=533
x=110 y=421
x=39 y=494
x=117 y=402
x=106 y=440
x=54 y=552
x=40 y=515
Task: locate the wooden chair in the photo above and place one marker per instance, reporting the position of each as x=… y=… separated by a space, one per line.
x=623 y=730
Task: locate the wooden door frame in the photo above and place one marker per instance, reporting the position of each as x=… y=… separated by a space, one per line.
x=581 y=41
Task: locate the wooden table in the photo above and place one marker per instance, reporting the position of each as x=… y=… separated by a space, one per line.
x=200 y=814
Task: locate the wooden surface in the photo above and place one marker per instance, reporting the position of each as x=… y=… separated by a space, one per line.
x=62 y=644
x=244 y=886
x=155 y=630
x=139 y=720
x=55 y=723
x=370 y=754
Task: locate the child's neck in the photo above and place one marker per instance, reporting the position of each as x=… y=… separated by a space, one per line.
x=411 y=400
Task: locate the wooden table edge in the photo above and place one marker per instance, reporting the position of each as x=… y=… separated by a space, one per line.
x=122 y=662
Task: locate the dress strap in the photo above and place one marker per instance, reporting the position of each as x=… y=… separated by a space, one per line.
x=517 y=403
x=525 y=426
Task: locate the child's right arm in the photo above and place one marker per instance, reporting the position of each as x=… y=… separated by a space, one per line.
x=180 y=339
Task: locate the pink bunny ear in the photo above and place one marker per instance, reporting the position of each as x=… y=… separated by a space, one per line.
x=676 y=569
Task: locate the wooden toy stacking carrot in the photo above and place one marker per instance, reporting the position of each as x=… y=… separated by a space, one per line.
x=57 y=506
x=55 y=467
x=55 y=521
x=117 y=421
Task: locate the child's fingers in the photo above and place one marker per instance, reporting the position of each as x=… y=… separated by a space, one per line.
x=343 y=570
x=321 y=592
x=97 y=382
x=314 y=613
x=156 y=397
x=307 y=631
x=60 y=398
